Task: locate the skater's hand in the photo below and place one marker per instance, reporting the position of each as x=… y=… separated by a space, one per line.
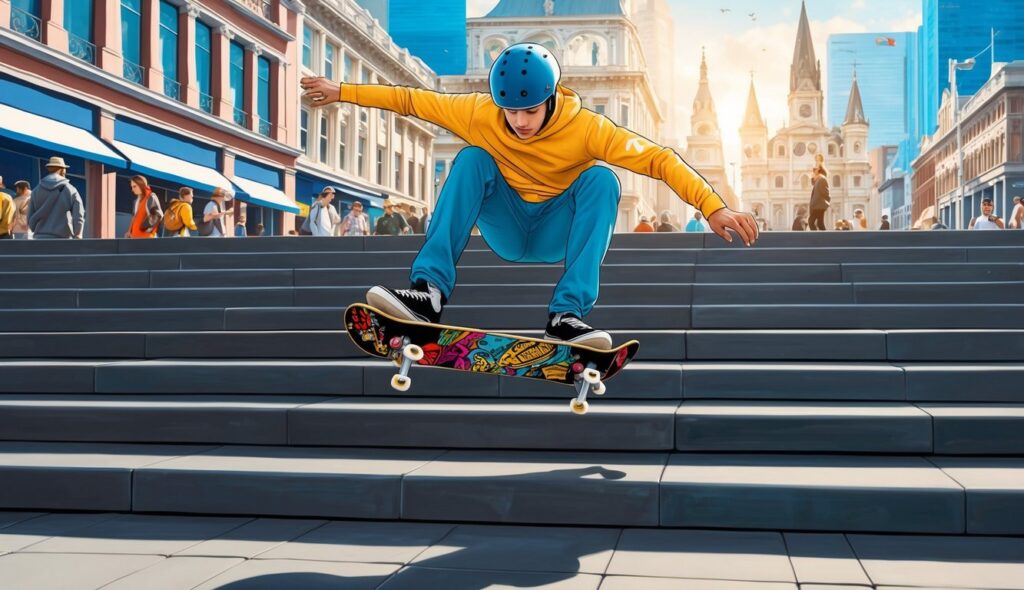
x=320 y=90
x=741 y=223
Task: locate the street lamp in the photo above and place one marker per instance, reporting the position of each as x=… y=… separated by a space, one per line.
x=955 y=65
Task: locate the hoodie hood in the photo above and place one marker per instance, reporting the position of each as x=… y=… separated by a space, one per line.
x=53 y=182
x=567 y=107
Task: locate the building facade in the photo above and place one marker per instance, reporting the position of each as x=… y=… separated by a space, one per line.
x=881 y=62
x=704 y=145
x=367 y=154
x=186 y=93
x=601 y=57
x=992 y=129
x=777 y=170
x=433 y=31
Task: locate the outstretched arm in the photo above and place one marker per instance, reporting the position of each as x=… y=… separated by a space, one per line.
x=621 y=147
x=454 y=112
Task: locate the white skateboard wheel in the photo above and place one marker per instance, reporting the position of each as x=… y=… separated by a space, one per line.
x=412 y=352
x=591 y=376
x=400 y=383
x=599 y=389
x=578 y=407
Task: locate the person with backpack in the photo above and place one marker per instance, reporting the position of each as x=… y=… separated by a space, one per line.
x=178 y=220
x=55 y=210
x=320 y=222
x=214 y=214
x=147 y=214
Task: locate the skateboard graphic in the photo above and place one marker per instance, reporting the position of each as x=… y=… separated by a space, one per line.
x=479 y=351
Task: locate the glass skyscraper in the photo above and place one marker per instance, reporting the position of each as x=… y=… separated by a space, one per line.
x=882 y=65
x=433 y=31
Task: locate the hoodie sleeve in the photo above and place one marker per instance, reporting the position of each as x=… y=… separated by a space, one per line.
x=454 y=112
x=621 y=147
x=77 y=213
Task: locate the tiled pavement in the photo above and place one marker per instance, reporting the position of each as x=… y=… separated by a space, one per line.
x=41 y=551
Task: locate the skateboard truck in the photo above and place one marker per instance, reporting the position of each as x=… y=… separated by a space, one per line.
x=405 y=354
x=587 y=379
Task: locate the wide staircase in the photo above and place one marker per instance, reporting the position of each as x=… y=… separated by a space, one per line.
x=852 y=381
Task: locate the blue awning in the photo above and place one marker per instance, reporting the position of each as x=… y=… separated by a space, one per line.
x=263 y=195
x=61 y=138
x=150 y=163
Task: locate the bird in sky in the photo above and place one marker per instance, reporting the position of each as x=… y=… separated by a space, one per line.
x=725 y=10
x=753 y=16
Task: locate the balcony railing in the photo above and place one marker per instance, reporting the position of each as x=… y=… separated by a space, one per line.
x=206 y=102
x=261 y=7
x=81 y=48
x=241 y=117
x=27 y=24
x=172 y=88
x=264 y=127
x=133 y=72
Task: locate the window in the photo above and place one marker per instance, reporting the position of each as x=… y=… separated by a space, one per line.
x=203 y=62
x=304 y=131
x=492 y=49
x=380 y=165
x=780 y=182
x=423 y=182
x=169 y=48
x=781 y=151
x=365 y=76
x=856 y=147
x=131 y=39
x=348 y=69
x=307 y=47
x=624 y=115
x=361 y=157
x=805 y=182
x=832 y=149
x=78 y=23
x=599 y=108
x=237 y=82
x=323 y=139
x=398 y=171
x=410 y=168
x=383 y=119
x=329 y=52
x=856 y=181
x=263 y=94
x=342 y=139
x=837 y=181
x=438 y=174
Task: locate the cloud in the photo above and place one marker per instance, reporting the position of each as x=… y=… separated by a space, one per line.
x=858 y=4
x=909 y=22
x=477 y=8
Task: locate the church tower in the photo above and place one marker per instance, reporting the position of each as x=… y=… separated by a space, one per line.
x=754 y=139
x=855 y=126
x=806 y=100
x=704 y=145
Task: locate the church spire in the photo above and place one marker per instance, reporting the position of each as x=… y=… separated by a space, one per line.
x=855 y=108
x=753 y=116
x=805 y=72
x=703 y=102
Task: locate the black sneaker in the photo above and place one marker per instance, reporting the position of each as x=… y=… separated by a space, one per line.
x=422 y=302
x=569 y=328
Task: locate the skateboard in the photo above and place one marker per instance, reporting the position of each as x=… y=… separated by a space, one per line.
x=478 y=351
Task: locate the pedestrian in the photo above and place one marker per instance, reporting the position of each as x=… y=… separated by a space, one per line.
x=319 y=220
x=425 y=220
x=23 y=196
x=859 y=221
x=178 y=219
x=391 y=223
x=260 y=230
x=240 y=231
x=936 y=224
x=666 y=223
x=355 y=223
x=146 y=214
x=820 y=199
x=885 y=223
x=7 y=211
x=415 y=225
x=528 y=180
x=696 y=224
x=644 y=226
x=214 y=213
x=55 y=210
x=800 y=221
x=987 y=220
x=1017 y=214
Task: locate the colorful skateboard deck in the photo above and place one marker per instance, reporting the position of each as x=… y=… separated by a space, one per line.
x=479 y=351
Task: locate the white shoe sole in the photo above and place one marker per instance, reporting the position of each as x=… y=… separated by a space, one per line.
x=389 y=304
x=599 y=340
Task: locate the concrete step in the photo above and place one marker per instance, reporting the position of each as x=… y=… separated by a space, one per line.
x=977 y=429
x=858 y=316
x=793 y=381
x=956 y=345
x=963 y=382
x=938 y=293
x=932 y=272
x=776 y=492
x=786 y=345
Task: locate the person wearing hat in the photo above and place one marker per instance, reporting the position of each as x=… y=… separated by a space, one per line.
x=6 y=213
x=530 y=182
x=885 y=223
x=644 y=226
x=356 y=223
x=55 y=210
x=321 y=222
x=391 y=223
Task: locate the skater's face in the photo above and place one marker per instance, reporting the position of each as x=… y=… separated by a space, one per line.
x=526 y=122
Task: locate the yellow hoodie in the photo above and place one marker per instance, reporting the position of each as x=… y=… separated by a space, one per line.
x=543 y=166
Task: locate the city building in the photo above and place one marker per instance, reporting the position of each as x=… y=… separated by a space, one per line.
x=704 y=145
x=367 y=154
x=992 y=141
x=433 y=31
x=194 y=94
x=600 y=53
x=881 y=62
x=777 y=170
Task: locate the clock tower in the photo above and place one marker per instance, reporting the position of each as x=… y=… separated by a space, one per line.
x=806 y=99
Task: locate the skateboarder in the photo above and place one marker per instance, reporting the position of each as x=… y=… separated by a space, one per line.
x=529 y=181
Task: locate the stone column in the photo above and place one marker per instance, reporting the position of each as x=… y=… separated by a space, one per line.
x=151 y=53
x=54 y=33
x=108 y=36
x=251 y=85
x=5 y=14
x=187 y=73
x=220 y=73
x=101 y=207
x=286 y=221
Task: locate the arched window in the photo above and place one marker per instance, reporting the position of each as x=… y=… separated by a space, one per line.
x=805 y=182
x=780 y=151
x=856 y=147
x=587 y=49
x=546 y=41
x=780 y=182
x=492 y=49
x=832 y=149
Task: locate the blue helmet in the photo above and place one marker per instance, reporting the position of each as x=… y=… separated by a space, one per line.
x=524 y=76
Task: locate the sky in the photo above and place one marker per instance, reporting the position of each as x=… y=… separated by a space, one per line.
x=737 y=43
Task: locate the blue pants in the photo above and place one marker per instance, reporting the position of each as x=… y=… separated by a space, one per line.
x=575 y=226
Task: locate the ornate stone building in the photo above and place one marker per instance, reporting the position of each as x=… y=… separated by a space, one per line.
x=777 y=171
x=704 y=145
x=602 y=59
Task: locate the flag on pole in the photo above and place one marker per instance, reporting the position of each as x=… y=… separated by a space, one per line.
x=885 y=41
